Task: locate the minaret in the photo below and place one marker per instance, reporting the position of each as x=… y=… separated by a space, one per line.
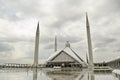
x=55 y=43
x=89 y=44
x=36 y=47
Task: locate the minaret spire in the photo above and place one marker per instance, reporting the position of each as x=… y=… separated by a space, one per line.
x=55 y=43
x=36 y=47
x=89 y=43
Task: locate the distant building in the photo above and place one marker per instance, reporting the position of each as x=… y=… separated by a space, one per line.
x=114 y=63
x=65 y=58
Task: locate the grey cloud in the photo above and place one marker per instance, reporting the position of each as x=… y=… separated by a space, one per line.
x=107 y=9
x=103 y=42
x=70 y=38
x=66 y=11
x=113 y=5
x=5 y=47
x=64 y=19
x=46 y=39
x=16 y=39
x=72 y=2
x=49 y=46
x=17 y=10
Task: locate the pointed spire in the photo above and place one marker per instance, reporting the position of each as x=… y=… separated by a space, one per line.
x=87 y=21
x=90 y=52
x=55 y=43
x=36 y=47
x=37 y=31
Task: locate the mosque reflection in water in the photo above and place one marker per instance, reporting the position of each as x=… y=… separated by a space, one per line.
x=43 y=74
x=66 y=75
x=75 y=75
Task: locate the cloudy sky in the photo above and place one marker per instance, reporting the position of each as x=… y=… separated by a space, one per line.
x=64 y=18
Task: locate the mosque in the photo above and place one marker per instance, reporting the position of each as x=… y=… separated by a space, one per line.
x=65 y=57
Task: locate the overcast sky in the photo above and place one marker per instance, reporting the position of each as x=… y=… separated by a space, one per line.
x=64 y=18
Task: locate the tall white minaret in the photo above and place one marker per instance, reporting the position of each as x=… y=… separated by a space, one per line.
x=55 y=43
x=91 y=66
x=36 y=47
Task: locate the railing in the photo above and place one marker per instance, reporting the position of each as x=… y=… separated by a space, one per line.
x=103 y=68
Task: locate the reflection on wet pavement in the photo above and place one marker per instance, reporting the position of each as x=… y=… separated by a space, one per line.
x=42 y=74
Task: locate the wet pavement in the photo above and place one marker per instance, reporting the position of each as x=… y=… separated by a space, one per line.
x=47 y=74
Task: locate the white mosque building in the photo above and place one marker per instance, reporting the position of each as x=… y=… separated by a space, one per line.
x=65 y=58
